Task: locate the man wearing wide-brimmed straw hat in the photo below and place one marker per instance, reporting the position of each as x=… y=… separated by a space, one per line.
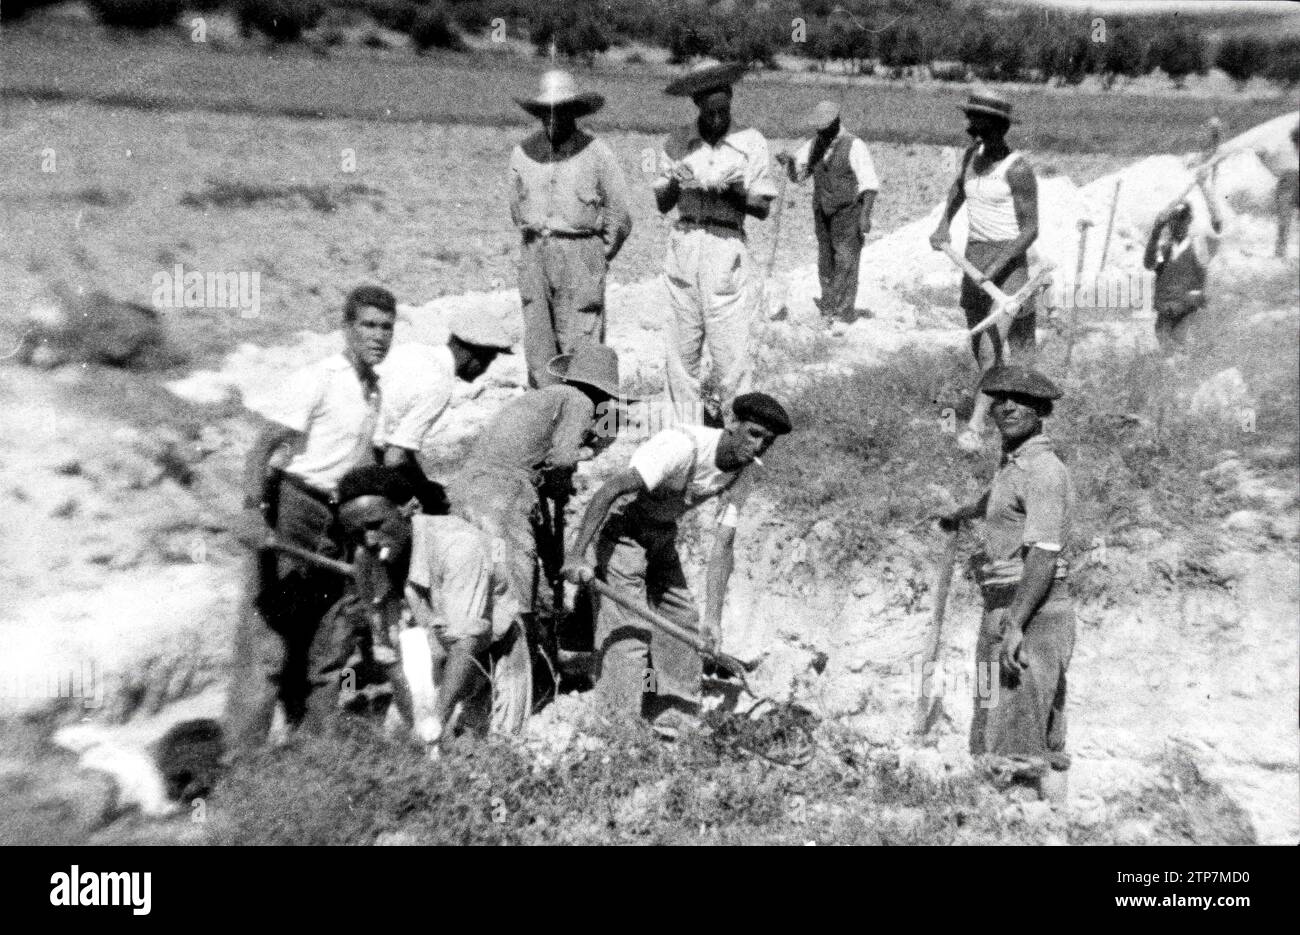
x=547 y=431
x=568 y=197
x=844 y=192
x=1000 y=192
x=1026 y=637
x=716 y=177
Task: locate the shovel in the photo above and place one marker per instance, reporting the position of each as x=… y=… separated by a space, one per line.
x=728 y=664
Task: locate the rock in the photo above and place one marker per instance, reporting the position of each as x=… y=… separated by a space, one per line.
x=396 y=839
x=1250 y=522
x=1225 y=395
x=1134 y=831
x=1286 y=528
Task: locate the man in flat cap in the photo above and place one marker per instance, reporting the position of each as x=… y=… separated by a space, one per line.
x=673 y=472
x=1000 y=192
x=1026 y=635
x=716 y=177
x=530 y=449
x=568 y=197
x=1179 y=257
x=844 y=192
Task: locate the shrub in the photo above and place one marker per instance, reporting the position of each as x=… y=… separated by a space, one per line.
x=1068 y=56
x=576 y=30
x=1179 y=53
x=434 y=29
x=1284 y=62
x=398 y=15
x=137 y=14
x=13 y=10
x=1242 y=57
x=279 y=20
x=1125 y=53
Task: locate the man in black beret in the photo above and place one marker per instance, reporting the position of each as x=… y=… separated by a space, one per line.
x=1027 y=633
x=438 y=581
x=673 y=472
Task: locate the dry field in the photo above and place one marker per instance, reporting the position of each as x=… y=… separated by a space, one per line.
x=119 y=495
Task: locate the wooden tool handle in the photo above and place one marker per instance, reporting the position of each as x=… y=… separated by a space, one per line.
x=977 y=277
x=320 y=561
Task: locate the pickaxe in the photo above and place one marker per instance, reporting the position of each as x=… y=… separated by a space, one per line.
x=1004 y=306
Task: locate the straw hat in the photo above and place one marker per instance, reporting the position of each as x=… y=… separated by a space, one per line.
x=558 y=90
x=988 y=102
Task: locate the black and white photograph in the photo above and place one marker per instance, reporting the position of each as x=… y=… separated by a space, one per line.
x=650 y=422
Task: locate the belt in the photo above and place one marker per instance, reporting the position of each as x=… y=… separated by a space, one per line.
x=531 y=234
x=330 y=500
x=706 y=223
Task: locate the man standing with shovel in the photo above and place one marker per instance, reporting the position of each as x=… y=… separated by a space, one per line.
x=675 y=471
x=1000 y=192
x=1026 y=636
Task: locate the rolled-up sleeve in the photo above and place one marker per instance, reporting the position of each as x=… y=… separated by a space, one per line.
x=1047 y=504
x=662 y=457
x=863 y=168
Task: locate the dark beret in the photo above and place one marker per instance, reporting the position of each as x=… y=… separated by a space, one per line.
x=374 y=480
x=1014 y=379
x=763 y=410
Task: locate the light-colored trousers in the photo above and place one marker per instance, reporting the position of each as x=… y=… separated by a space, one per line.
x=562 y=290
x=640 y=560
x=713 y=300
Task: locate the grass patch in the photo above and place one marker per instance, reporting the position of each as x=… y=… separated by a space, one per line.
x=233 y=193
x=872 y=445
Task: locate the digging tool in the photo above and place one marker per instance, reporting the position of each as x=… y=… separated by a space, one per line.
x=1084 y=224
x=928 y=706
x=729 y=664
x=1003 y=305
x=1110 y=223
x=277 y=544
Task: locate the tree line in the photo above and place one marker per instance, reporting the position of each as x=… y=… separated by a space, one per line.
x=941 y=39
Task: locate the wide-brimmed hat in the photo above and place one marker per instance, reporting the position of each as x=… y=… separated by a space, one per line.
x=595 y=365
x=823 y=115
x=704 y=78
x=988 y=102
x=558 y=90
x=478 y=330
x=1022 y=380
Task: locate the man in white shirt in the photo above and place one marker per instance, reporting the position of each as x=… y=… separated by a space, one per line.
x=716 y=177
x=677 y=470
x=319 y=427
x=416 y=383
x=844 y=192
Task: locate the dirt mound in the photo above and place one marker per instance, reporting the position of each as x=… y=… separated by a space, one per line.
x=96 y=328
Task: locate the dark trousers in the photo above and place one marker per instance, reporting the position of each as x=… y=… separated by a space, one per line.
x=280 y=614
x=839 y=252
x=1020 y=334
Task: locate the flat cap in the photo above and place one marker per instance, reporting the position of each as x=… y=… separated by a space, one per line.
x=374 y=480
x=762 y=410
x=477 y=329
x=1015 y=379
x=704 y=78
